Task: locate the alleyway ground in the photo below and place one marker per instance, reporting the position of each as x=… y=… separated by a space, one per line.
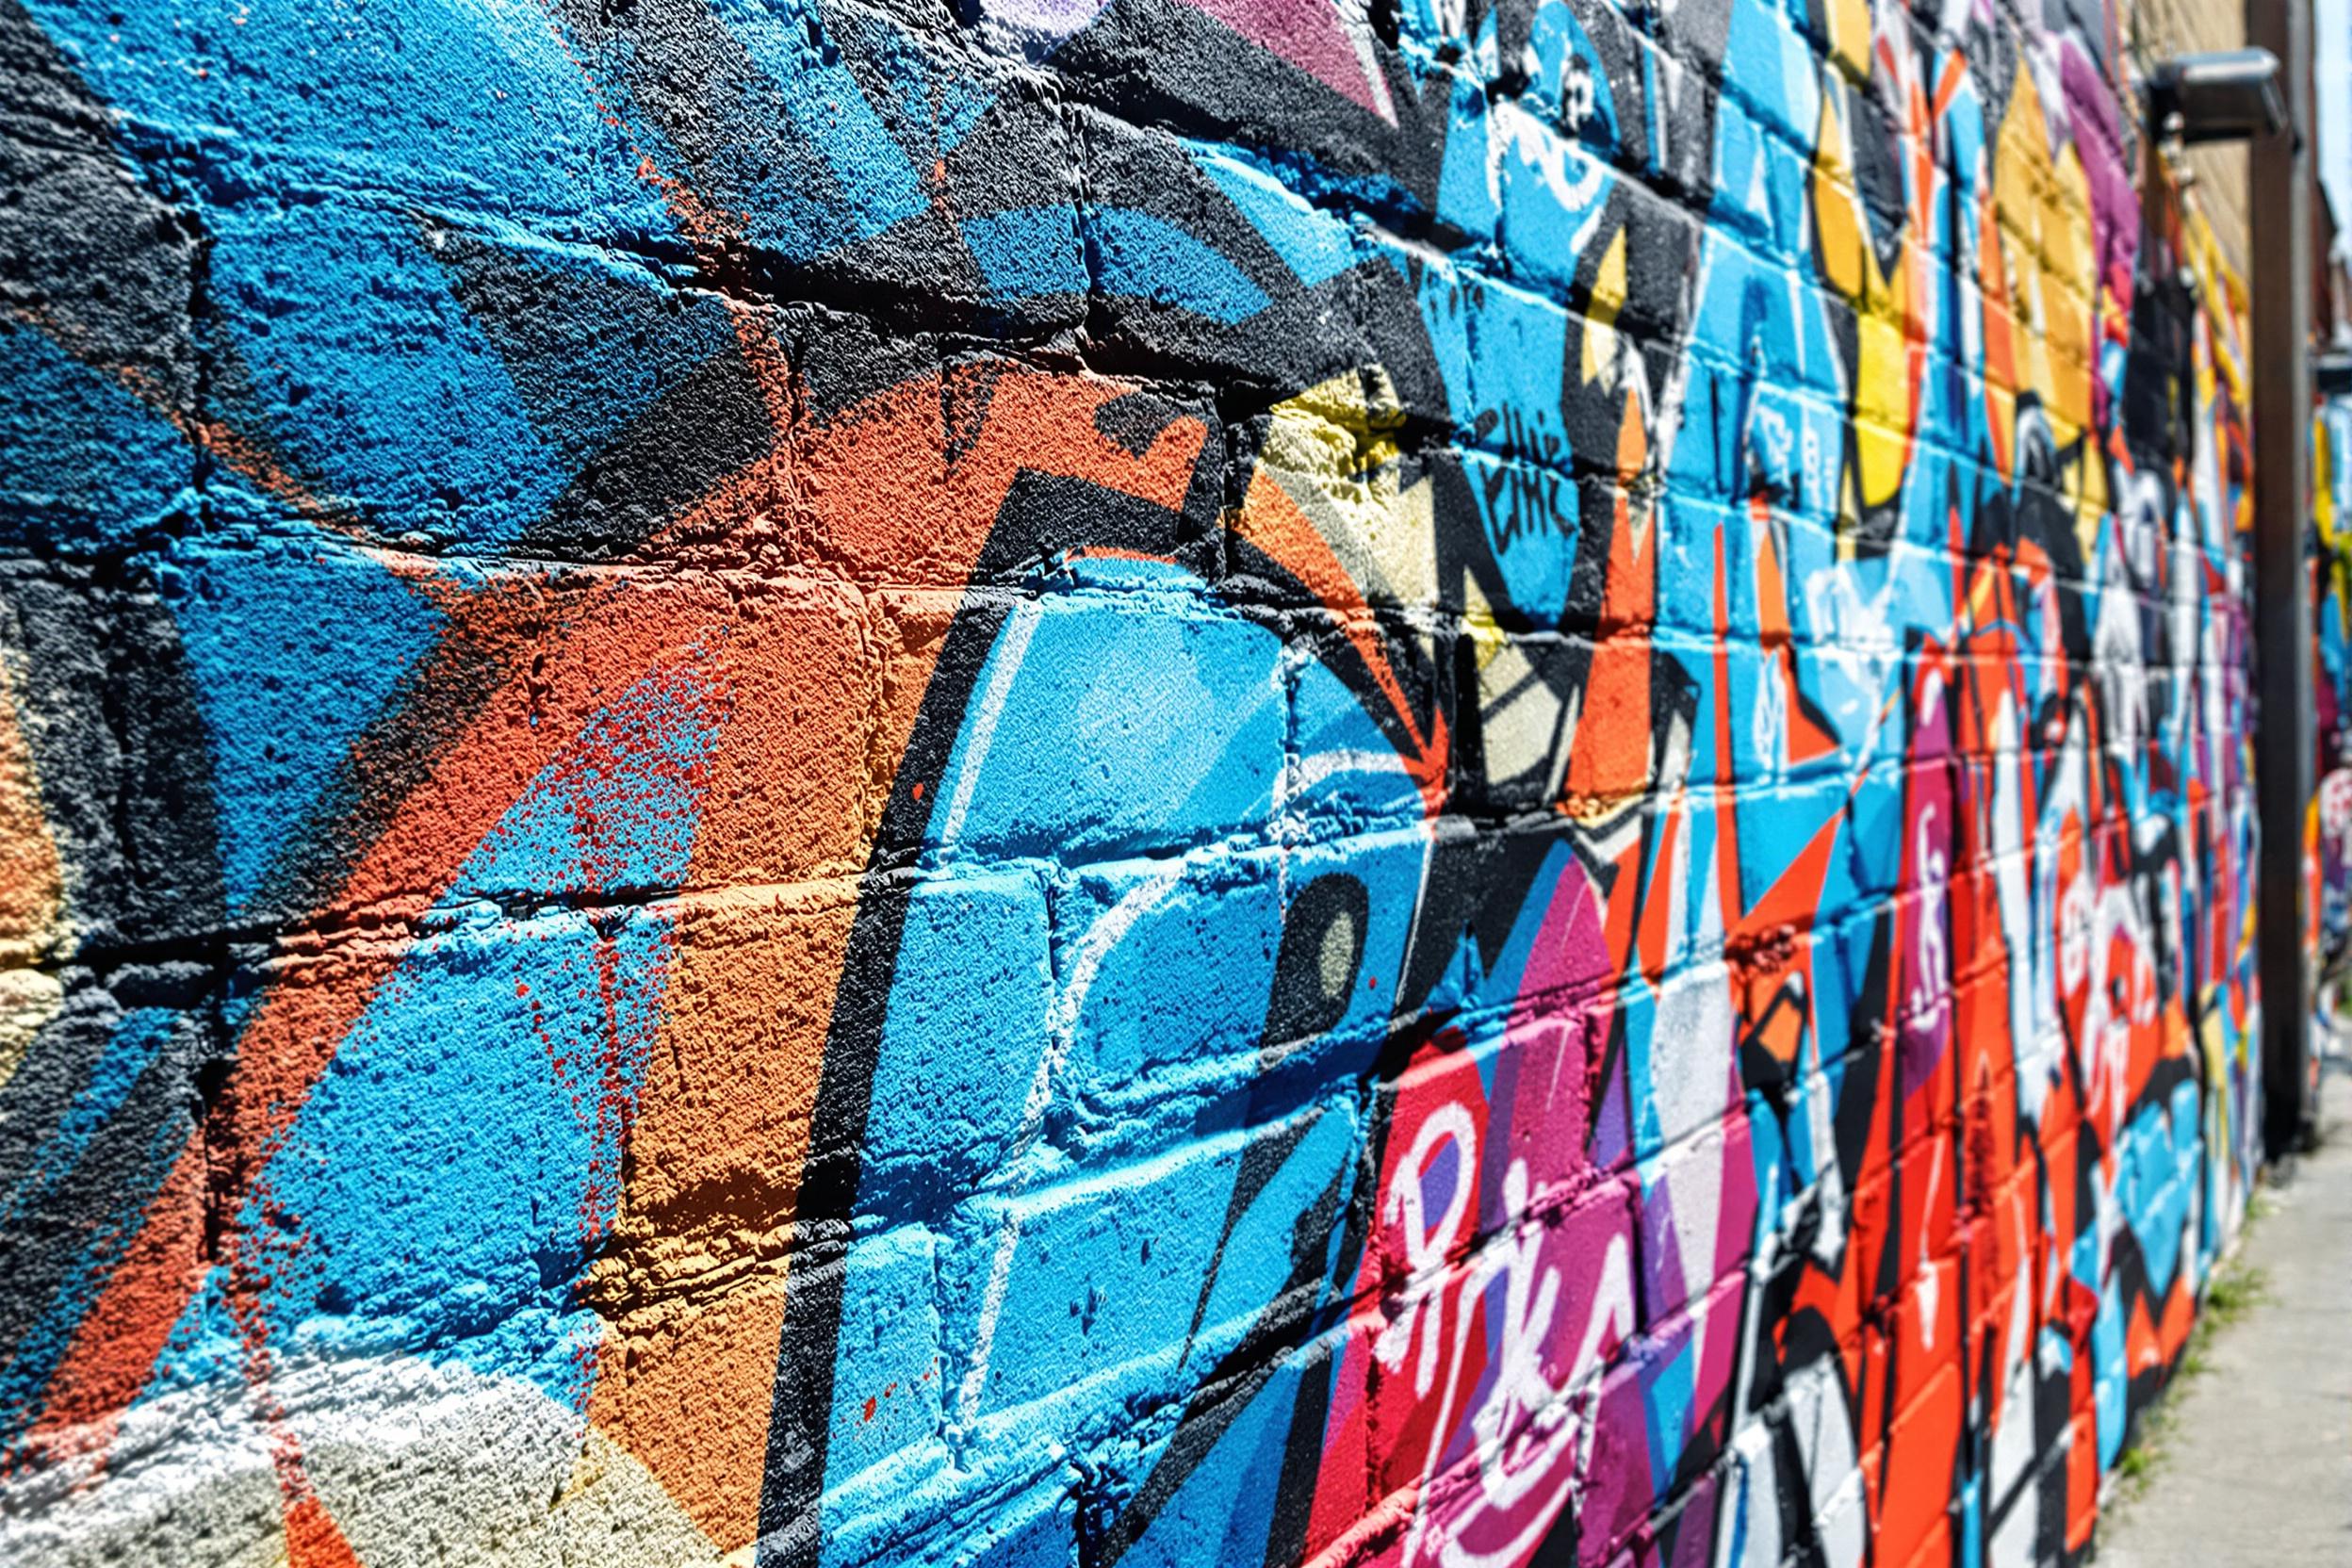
x=2252 y=1465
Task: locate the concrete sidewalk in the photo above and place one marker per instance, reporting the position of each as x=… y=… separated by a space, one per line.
x=2255 y=1466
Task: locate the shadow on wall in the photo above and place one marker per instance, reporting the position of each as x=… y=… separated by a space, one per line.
x=1222 y=781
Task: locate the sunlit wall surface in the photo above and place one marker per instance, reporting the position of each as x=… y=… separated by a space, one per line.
x=1189 y=781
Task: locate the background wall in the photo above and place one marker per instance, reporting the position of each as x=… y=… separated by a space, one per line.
x=1197 y=781
x=2330 y=833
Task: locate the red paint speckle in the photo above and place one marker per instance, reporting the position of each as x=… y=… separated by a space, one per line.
x=869 y=1407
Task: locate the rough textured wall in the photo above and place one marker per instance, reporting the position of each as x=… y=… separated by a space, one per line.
x=2156 y=30
x=1211 y=782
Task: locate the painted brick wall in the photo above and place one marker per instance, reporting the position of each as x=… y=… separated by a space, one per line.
x=1197 y=781
x=2328 y=834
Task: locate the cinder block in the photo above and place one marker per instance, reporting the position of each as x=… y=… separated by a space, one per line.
x=860 y=781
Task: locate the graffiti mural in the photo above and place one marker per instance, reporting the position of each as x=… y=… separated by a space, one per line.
x=1169 y=781
x=2328 y=834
